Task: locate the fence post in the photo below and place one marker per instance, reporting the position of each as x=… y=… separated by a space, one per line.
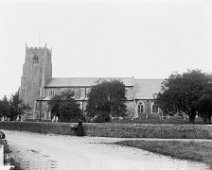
x=1 y=155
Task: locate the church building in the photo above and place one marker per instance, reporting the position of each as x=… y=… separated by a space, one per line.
x=38 y=87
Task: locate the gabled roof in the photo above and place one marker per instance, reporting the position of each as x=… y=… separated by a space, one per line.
x=85 y=81
x=147 y=88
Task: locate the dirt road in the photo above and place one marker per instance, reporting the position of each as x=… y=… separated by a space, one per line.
x=44 y=152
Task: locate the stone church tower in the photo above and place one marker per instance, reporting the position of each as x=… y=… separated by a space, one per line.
x=37 y=71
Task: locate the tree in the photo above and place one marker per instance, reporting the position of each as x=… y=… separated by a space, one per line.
x=4 y=107
x=65 y=107
x=105 y=100
x=205 y=103
x=13 y=107
x=181 y=92
x=17 y=107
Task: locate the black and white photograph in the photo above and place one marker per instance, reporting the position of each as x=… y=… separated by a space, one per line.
x=105 y=85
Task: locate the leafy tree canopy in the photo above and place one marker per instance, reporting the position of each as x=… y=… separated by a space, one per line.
x=4 y=107
x=13 y=107
x=105 y=100
x=205 y=103
x=17 y=107
x=66 y=107
x=181 y=92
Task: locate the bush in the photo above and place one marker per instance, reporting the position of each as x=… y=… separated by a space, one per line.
x=102 y=118
x=116 y=130
x=106 y=99
x=66 y=107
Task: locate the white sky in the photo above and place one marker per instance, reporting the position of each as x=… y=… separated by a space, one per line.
x=145 y=39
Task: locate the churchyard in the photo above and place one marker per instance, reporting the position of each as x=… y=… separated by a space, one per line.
x=180 y=128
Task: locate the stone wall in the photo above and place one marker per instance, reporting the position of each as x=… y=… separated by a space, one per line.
x=131 y=109
x=42 y=111
x=147 y=108
x=80 y=92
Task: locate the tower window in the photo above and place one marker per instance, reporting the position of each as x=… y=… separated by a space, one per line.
x=35 y=59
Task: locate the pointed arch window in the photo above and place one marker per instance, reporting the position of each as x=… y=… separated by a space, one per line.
x=35 y=59
x=140 y=107
x=155 y=108
x=51 y=93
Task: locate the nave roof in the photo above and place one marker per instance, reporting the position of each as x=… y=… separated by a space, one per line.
x=86 y=81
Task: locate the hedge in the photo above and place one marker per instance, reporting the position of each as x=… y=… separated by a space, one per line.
x=44 y=127
x=150 y=131
x=116 y=130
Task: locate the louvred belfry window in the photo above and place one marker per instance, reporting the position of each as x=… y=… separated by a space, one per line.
x=35 y=59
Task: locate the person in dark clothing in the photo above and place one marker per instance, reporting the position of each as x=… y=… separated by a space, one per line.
x=78 y=130
x=2 y=135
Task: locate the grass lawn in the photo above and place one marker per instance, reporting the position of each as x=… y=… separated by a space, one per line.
x=196 y=151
